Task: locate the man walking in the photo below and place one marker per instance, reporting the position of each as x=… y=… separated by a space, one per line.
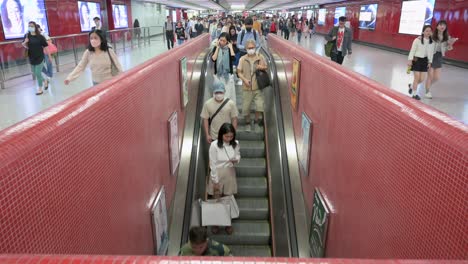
x=342 y=38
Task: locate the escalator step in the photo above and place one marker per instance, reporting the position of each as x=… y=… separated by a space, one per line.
x=252 y=187
x=248 y=167
x=256 y=133
x=245 y=233
x=253 y=208
x=250 y=250
x=252 y=149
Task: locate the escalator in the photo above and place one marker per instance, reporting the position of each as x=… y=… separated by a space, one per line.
x=273 y=219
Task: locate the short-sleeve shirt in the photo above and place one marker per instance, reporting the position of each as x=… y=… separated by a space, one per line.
x=226 y=114
x=214 y=249
x=36 y=46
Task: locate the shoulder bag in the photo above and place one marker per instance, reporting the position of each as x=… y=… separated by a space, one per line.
x=217 y=111
x=114 y=69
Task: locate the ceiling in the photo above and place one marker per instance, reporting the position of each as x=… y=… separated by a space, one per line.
x=248 y=4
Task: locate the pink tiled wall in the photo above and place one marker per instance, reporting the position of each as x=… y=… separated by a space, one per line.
x=79 y=177
x=393 y=170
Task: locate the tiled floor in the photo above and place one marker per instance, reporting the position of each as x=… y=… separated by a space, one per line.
x=18 y=101
x=389 y=68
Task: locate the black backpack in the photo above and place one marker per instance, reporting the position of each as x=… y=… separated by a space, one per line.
x=243 y=33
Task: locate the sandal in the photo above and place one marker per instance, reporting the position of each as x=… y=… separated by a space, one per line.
x=46 y=85
x=229 y=230
x=214 y=230
x=39 y=93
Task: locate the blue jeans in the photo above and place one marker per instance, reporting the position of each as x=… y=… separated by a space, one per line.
x=299 y=35
x=180 y=41
x=48 y=69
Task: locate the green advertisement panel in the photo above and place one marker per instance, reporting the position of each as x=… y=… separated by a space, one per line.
x=318 y=228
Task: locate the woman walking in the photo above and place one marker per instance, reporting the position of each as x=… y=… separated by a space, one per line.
x=420 y=58
x=224 y=153
x=223 y=58
x=442 y=43
x=101 y=59
x=36 y=44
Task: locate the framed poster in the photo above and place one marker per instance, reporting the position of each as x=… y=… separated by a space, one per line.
x=119 y=13
x=159 y=223
x=88 y=11
x=16 y=14
x=414 y=15
x=173 y=142
x=304 y=150
x=295 y=84
x=183 y=81
x=319 y=226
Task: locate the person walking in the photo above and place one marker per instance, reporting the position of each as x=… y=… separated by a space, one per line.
x=248 y=65
x=299 y=30
x=342 y=40
x=247 y=34
x=137 y=29
x=169 y=28
x=100 y=58
x=48 y=69
x=223 y=58
x=35 y=43
x=180 y=33
x=420 y=59
x=442 y=43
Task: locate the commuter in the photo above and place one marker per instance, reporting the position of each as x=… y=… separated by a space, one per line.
x=342 y=38
x=100 y=58
x=213 y=27
x=35 y=43
x=420 y=59
x=286 y=29
x=215 y=35
x=281 y=26
x=180 y=33
x=266 y=26
x=137 y=29
x=299 y=30
x=226 y=112
x=443 y=43
x=226 y=27
x=248 y=34
x=193 y=30
x=257 y=26
x=224 y=153
x=199 y=27
x=169 y=28
x=200 y=245
x=98 y=24
x=48 y=69
x=292 y=27
x=273 y=27
x=233 y=37
x=223 y=58
x=305 y=27
x=311 y=27
x=248 y=65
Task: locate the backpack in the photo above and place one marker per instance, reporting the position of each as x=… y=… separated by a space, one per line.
x=243 y=33
x=273 y=27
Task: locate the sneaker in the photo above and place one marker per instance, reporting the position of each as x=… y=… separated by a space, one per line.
x=416 y=97
x=428 y=95
x=248 y=128
x=410 y=90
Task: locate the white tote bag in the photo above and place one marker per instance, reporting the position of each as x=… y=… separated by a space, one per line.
x=215 y=213
x=231 y=201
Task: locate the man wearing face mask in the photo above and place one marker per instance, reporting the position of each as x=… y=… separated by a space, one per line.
x=217 y=111
x=246 y=35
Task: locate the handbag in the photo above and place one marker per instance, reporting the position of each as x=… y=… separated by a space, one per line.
x=231 y=201
x=52 y=48
x=215 y=213
x=114 y=69
x=263 y=80
x=328 y=48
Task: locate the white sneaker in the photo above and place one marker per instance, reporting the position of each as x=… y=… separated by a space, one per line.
x=428 y=95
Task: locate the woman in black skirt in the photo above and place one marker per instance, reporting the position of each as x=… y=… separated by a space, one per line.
x=420 y=58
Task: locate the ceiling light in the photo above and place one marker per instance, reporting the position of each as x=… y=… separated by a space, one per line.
x=238 y=6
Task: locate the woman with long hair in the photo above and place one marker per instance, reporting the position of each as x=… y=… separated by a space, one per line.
x=36 y=44
x=224 y=153
x=223 y=58
x=420 y=58
x=442 y=43
x=100 y=58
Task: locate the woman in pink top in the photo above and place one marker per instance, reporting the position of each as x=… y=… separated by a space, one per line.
x=100 y=58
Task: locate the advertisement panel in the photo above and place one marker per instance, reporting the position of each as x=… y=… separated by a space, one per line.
x=88 y=11
x=16 y=14
x=322 y=16
x=339 y=12
x=368 y=16
x=414 y=15
x=119 y=13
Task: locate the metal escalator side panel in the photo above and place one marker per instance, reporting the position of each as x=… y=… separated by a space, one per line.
x=180 y=212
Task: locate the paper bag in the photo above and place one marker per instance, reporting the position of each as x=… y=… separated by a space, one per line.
x=231 y=201
x=215 y=213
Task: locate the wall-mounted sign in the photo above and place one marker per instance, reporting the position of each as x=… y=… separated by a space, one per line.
x=319 y=226
x=159 y=221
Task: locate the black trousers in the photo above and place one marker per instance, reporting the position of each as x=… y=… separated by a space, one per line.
x=170 y=39
x=286 y=34
x=337 y=57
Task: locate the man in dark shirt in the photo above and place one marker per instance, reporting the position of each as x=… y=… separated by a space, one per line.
x=199 y=27
x=201 y=245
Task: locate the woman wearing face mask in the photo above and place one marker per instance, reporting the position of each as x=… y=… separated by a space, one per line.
x=420 y=58
x=100 y=59
x=248 y=65
x=223 y=58
x=216 y=33
x=36 y=44
x=442 y=43
x=224 y=154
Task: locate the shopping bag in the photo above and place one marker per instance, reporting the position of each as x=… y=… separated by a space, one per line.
x=52 y=48
x=328 y=48
x=215 y=213
x=231 y=201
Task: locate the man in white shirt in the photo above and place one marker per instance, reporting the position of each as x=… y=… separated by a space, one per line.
x=342 y=38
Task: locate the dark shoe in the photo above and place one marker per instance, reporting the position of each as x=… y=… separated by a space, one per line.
x=416 y=97
x=229 y=230
x=39 y=93
x=410 y=90
x=260 y=122
x=215 y=230
x=46 y=86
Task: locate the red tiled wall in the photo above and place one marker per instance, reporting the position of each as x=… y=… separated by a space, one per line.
x=393 y=170
x=79 y=177
x=455 y=12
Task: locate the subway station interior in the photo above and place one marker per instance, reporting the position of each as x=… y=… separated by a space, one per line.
x=112 y=149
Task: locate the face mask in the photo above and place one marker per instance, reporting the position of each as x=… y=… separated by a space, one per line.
x=249 y=29
x=251 y=51
x=95 y=43
x=31 y=29
x=219 y=97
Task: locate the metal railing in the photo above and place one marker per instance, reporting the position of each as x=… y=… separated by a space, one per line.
x=13 y=65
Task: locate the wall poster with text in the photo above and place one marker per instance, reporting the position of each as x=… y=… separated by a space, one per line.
x=173 y=142
x=319 y=226
x=295 y=84
x=184 y=81
x=304 y=149
x=159 y=223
